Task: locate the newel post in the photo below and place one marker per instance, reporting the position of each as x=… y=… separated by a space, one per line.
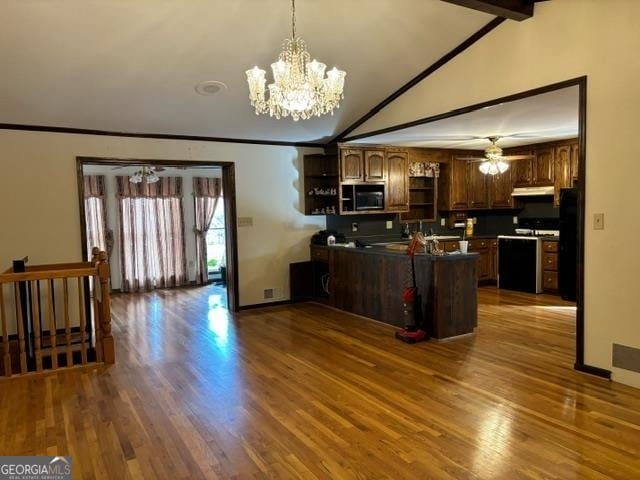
x=108 y=355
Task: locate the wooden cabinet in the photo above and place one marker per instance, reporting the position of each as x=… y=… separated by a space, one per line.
x=521 y=170
x=477 y=187
x=422 y=200
x=320 y=184
x=550 y=266
x=500 y=191
x=397 y=182
x=574 y=163
x=543 y=164
x=481 y=246
x=452 y=185
x=374 y=166
x=351 y=165
x=562 y=171
x=359 y=165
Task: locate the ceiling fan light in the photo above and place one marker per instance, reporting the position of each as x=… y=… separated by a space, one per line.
x=484 y=167
x=502 y=166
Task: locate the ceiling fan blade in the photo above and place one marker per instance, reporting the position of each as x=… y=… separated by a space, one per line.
x=517 y=157
x=472 y=159
x=158 y=168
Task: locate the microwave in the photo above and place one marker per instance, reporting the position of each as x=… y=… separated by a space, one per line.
x=369 y=199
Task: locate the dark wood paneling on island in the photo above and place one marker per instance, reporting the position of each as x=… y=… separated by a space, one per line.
x=370 y=282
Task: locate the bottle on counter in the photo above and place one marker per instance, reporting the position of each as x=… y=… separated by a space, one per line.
x=469 y=228
x=331 y=240
x=405 y=231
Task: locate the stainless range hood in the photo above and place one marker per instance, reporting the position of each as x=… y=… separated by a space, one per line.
x=532 y=191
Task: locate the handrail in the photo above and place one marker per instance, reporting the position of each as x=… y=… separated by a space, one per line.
x=56 y=316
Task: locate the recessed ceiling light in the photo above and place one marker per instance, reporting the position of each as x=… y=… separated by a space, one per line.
x=210 y=87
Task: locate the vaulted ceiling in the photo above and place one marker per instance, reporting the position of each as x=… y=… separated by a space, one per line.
x=132 y=66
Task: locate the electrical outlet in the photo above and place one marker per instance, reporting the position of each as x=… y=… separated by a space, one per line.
x=475 y=220
x=389 y=224
x=245 y=221
x=598 y=221
x=515 y=220
x=354 y=226
x=443 y=222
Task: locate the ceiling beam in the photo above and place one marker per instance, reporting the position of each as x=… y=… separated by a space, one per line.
x=513 y=9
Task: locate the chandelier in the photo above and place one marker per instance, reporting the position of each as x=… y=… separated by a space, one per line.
x=493 y=162
x=147 y=174
x=300 y=88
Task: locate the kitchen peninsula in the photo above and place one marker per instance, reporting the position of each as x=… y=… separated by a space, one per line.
x=370 y=282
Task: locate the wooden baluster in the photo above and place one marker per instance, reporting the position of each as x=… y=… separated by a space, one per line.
x=83 y=333
x=105 y=309
x=52 y=326
x=35 y=319
x=67 y=322
x=96 y=317
x=5 y=335
x=21 y=344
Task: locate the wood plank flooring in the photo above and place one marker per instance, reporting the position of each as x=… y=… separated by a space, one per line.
x=304 y=391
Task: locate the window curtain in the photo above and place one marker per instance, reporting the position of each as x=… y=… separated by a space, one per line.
x=95 y=214
x=206 y=193
x=151 y=234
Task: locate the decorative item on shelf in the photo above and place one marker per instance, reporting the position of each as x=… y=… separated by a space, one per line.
x=424 y=169
x=299 y=87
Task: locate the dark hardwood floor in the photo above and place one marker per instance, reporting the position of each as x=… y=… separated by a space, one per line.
x=304 y=391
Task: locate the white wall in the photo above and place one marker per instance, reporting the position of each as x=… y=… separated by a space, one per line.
x=40 y=207
x=567 y=39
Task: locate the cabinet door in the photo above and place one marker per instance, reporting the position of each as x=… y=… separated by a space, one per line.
x=374 y=166
x=397 y=186
x=351 y=165
x=477 y=187
x=562 y=171
x=458 y=184
x=543 y=167
x=522 y=172
x=500 y=190
x=574 y=163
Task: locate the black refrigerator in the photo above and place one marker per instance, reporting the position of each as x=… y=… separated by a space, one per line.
x=568 y=256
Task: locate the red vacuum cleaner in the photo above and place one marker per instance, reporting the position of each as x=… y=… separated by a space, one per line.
x=412 y=331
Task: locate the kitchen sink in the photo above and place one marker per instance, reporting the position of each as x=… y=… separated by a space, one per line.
x=406 y=242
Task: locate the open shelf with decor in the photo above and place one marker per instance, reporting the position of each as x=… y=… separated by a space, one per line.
x=422 y=192
x=321 y=184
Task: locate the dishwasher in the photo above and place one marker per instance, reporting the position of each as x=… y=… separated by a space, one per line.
x=520 y=263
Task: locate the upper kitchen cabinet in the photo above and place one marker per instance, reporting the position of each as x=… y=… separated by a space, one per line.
x=500 y=190
x=562 y=171
x=397 y=186
x=543 y=164
x=521 y=170
x=352 y=165
x=574 y=162
x=374 y=166
x=478 y=187
x=358 y=165
x=452 y=185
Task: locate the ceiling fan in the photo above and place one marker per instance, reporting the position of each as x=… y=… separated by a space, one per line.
x=494 y=161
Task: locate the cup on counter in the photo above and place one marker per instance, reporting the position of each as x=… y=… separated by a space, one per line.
x=463 y=244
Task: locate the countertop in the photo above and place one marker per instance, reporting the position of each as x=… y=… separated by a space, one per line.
x=382 y=250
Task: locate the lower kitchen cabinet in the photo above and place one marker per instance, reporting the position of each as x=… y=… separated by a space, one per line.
x=493 y=259
x=550 y=266
x=481 y=246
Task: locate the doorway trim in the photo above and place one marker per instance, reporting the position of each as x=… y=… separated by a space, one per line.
x=581 y=83
x=229 y=198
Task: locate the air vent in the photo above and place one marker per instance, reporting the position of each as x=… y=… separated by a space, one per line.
x=625 y=357
x=268 y=293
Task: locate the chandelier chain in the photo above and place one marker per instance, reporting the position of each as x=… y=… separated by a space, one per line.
x=293 y=19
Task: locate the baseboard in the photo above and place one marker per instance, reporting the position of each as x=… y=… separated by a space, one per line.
x=262 y=305
x=599 y=372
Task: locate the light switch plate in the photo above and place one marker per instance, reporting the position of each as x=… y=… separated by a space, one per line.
x=245 y=221
x=515 y=220
x=354 y=226
x=443 y=222
x=598 y=221
x=389 y=224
